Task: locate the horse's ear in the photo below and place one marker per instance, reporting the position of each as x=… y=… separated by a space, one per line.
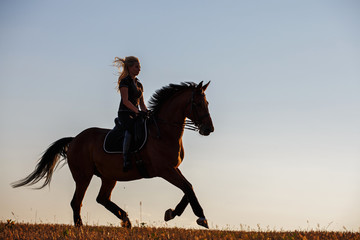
x=199 y=86
x=205 y=86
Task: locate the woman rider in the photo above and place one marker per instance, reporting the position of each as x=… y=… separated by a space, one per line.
x=131 y=91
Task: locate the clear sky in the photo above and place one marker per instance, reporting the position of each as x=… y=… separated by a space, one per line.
x=284 y=98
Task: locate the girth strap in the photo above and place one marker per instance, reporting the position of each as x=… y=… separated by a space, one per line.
x=141 y=166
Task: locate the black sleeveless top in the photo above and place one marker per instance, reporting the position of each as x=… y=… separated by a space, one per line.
x=135 y=92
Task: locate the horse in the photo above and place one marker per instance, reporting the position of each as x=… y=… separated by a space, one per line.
x=171 y=107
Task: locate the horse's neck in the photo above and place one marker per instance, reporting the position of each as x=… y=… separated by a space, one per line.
x=173 y=113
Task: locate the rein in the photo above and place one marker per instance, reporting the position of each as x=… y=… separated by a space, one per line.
x=188 y=124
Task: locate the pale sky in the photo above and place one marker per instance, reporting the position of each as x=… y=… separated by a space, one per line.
x=284 y=98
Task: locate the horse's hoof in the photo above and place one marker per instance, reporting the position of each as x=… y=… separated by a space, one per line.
x=125 y=223
x=78 y=223
x=169 y=215
x=202 y=222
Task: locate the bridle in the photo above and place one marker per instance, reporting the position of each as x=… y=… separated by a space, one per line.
x=193 y=125
x=193 y=110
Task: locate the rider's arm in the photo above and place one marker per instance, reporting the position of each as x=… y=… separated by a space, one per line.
x=142 y=104
x=125 y=99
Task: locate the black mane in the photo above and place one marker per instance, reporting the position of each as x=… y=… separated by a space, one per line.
x=165 y=93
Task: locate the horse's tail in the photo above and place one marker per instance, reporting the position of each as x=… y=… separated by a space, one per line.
x=47 y=164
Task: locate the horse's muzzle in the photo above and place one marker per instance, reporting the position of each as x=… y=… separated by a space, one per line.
x=205 y=130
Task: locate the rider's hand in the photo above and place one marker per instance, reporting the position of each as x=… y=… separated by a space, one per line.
x=142 y=114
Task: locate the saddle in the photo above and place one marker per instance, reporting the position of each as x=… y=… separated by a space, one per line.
x=113 y=142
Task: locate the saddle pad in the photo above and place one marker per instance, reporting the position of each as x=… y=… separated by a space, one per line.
x=113 y=142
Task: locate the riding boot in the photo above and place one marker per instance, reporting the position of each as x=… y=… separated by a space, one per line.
x=126 y=147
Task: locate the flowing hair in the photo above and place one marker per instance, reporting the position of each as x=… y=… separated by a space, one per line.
x=123 y=65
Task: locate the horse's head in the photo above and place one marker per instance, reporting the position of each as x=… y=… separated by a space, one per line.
x=199 y=111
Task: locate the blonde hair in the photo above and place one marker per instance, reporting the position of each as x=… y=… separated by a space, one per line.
x=123 y=65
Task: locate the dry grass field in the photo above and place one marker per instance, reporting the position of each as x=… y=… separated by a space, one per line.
x=12 y=230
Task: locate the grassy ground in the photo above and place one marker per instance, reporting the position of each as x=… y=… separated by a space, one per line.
x=12 y=230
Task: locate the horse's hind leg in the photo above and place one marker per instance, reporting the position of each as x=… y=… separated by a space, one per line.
x=76 y=202
x=104 y=199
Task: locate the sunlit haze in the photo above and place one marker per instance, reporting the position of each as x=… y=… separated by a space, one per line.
x=284 y=99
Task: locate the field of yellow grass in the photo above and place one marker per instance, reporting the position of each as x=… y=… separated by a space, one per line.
x=12 y=230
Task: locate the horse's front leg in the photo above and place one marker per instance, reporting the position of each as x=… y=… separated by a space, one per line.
x=180 y=208
x=171 y=213
x=175 y=177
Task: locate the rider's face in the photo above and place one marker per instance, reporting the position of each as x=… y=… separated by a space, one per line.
x=134 y=70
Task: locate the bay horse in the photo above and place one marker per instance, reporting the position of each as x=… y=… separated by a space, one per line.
x=162 y=153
